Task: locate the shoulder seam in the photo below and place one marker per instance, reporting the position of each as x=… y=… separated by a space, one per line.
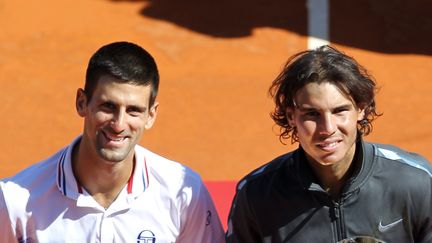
x=400 y=158
x=263 y=169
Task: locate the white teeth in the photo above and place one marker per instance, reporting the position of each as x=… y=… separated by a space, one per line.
x=328 y=145
x=115 y=139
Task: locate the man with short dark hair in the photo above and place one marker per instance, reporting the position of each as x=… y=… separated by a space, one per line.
x=335 y=187
x=104 y=187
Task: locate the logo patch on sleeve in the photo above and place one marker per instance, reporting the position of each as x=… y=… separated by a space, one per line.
x=208 y=219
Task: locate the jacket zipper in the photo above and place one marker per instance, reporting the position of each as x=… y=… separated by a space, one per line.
x=339 y=221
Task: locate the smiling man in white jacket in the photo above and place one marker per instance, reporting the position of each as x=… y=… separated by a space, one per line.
x=104 y=187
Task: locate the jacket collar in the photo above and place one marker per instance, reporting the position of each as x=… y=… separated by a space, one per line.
x=69 y=186
x=362 y=162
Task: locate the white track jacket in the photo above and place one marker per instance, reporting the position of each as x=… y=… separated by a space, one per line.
x=163 y=202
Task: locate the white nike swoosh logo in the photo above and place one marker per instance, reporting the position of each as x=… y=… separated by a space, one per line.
x=383 y=228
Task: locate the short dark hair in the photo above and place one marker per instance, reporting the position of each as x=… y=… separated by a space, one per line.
x=324 y=64
x=124 y=61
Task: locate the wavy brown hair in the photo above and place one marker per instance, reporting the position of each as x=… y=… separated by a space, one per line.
x=324 y=64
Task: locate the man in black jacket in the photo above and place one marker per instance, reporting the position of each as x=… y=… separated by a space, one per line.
x=335 y=187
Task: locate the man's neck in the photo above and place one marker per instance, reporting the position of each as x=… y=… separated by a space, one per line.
x=333 y=180
x=333 y=177
x=102 y=179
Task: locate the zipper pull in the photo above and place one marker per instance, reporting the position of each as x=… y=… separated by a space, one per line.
x=334 y=211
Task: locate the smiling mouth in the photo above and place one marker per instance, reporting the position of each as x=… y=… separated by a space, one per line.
x=328 y=146
x=113 y=138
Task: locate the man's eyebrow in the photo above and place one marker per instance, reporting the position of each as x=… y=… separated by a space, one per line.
x=138 y=107
x=312 y=108
x=344 y=106
x=306 y=108
x=105 y=100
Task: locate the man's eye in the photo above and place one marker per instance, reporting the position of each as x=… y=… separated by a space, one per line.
x=340 y=110
x=108 y=106
x=312 y=114
x=134 y=111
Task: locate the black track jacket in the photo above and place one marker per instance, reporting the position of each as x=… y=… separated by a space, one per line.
x=389 y=197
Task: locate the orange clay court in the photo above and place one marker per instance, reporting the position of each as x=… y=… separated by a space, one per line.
x=216 y=60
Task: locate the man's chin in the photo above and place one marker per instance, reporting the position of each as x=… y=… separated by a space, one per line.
x=112 y=156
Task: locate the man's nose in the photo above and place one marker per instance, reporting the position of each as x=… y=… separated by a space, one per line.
x=327 y=125
x=118 y=121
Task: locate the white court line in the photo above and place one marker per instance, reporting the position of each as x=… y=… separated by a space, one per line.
x=318 y=23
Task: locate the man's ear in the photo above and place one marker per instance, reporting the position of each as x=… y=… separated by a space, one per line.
x=289 y=113
x=81 y=102
x=361 y=112
x=151 y=115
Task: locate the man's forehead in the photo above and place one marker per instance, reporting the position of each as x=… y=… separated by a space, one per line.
x=320 y=104
x=111 y=90
x=320 y=93
x=306 y=107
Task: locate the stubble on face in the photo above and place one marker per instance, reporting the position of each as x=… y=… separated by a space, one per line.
x=115 y=119
x=326 y=124
x=113 y=154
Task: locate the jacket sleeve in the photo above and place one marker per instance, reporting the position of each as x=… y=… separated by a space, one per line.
x=199 y=219
x=242 y=226
x=7 y=233
x=425 y=225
